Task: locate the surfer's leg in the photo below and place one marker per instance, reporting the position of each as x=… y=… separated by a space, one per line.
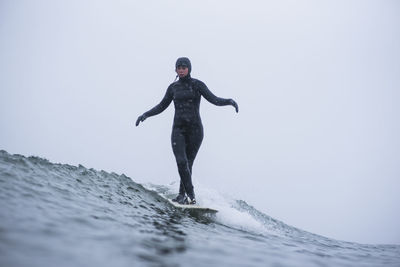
x=193 y=143
x=194 y=137
x=179 y=147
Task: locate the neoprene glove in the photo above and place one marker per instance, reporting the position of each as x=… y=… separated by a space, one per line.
x=141 y=118
x=234 y=104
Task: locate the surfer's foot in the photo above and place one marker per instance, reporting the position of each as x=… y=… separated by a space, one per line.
x=190 y=201
x=180 y=199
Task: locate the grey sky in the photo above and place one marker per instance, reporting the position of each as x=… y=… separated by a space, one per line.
x=315 y=143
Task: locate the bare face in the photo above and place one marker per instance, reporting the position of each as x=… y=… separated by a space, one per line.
x=182 y=71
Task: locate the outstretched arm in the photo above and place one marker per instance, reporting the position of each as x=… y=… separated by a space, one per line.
x=214 y=99
x=158 y=108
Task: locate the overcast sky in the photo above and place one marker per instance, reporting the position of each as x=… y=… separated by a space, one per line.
x=316 y=141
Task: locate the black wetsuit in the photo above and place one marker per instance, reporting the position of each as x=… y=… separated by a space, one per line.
x=187 y=130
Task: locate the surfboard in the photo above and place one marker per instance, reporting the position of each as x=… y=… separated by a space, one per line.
x=194 y=207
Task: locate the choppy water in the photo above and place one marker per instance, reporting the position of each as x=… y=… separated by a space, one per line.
x=62 y=215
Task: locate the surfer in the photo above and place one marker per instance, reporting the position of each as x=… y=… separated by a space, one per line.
x=187 y=129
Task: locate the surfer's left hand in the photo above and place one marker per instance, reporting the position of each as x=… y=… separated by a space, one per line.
x=235 y=105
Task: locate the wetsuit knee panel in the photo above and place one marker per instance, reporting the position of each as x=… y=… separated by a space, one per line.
x=182 y=163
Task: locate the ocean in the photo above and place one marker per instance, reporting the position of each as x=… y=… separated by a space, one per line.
x=62 y=215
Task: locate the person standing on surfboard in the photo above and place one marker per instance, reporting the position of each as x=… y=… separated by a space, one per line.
x=187 y=130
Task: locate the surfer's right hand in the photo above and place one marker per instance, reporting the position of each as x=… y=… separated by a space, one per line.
x=141 y=118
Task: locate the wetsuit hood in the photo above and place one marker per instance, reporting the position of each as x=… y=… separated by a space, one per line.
x=186 y=78
x=184 y=61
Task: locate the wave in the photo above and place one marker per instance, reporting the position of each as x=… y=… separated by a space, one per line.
x=58 y=214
